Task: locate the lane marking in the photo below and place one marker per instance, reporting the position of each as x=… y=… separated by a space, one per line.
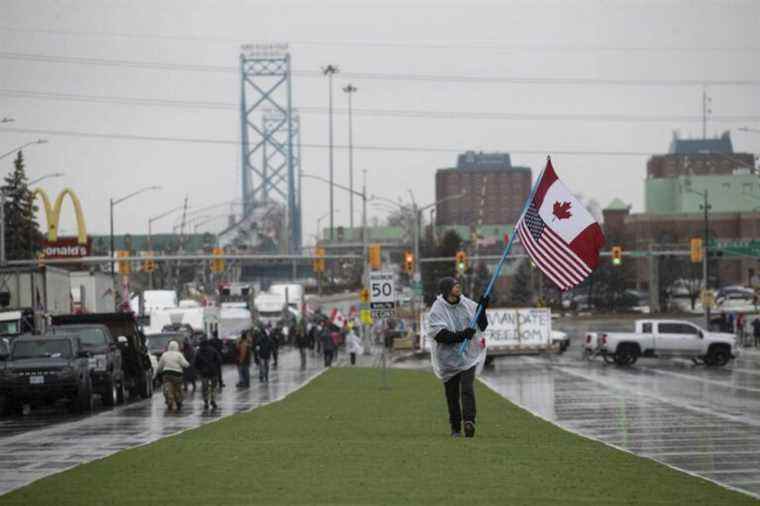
x=693 y=377
x=586 y=436
x=695 y=453
x=613 y=383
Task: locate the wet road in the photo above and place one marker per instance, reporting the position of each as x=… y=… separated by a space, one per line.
x=704 y=421
x=48 y=442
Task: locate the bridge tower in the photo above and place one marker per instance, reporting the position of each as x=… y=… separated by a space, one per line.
x=269 y=132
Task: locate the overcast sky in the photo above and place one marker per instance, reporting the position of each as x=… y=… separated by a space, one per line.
x=599 y=130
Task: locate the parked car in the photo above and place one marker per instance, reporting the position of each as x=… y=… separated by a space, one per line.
x=159 y=343
x=46 y=369
x=104 y=358
x=135 y=362
x=561 y=340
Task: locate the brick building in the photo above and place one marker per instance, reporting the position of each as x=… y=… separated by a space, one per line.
x=675 y=190
x=496 y=190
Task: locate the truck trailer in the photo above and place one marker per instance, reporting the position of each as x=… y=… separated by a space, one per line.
x=27 y=293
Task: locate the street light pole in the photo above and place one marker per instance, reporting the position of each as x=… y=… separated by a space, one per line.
x=38 y=141
x=330 y=71
x=350 y=90
x=46 y=176
x=150 y=235
x=119 y=201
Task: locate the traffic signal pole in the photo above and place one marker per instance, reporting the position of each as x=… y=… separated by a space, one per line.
x=704 y=264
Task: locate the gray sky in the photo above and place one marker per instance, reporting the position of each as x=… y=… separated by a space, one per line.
x=599 y=42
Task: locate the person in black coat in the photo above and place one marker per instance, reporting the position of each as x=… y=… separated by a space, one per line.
x=208 y=363
x=328 y=345
x=302 y=341
x=188 y=375
x=216 y=343
x=264 y=348
x=277 y=338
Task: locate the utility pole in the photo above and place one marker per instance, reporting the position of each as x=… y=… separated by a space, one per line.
x=2 y=228
x=706 y=208
x=330 y=71
x=113 y=246
x=705 y=111
x=365 y=259
x=350 y=90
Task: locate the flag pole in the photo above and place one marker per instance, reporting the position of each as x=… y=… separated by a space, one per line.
x=505 y=254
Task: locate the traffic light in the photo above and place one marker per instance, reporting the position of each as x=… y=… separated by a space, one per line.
x=217 y=264
x=375 y=262
x=461 y=262
x=319 y=262
x=123 y=265
x=617 y=255
x=149 y=265
x=409 y=261
x=696 y=249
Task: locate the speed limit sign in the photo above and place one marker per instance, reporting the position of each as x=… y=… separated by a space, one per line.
x=382 y=292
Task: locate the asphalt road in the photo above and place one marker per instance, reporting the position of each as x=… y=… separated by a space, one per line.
x=704 y=421
x=701 y=420
x=49 y=441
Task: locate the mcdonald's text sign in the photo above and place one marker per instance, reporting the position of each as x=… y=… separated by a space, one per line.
x=66 y=247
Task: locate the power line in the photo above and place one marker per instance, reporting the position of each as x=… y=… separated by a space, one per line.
x=424 y=45
x=389 y=76
x=366 y=147
x=396 y=113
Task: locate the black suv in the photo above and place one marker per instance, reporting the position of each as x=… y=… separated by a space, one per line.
x=135 y=361
x=44 y=369
x=105 y=359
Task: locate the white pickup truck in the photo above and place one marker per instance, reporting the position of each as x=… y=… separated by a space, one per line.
x=667 y=338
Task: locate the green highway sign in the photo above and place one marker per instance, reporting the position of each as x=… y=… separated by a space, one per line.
x=740 y=248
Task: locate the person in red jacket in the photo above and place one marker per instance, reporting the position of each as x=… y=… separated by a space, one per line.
x=244 y=361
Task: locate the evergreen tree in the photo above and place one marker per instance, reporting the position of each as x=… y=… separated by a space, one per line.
x=480 y=278
x=22 y=235
x=434 y=271
x=522 y=290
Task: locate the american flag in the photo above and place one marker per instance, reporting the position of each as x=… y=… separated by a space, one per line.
x=549 y=251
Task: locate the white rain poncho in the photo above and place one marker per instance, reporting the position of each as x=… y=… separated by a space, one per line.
x=446 y=358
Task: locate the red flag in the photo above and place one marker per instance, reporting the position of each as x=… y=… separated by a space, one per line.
x=559 y=234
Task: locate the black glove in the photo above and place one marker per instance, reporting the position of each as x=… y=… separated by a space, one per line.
x=482 y=320
x=449 y=337
x=484 y=301
x=468 y=333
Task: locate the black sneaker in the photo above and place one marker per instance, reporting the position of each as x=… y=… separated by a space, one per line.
x=213 y=406
x=456 y=434
x=469 y=429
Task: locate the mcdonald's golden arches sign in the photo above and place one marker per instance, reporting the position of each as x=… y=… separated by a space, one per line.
x=63 y=247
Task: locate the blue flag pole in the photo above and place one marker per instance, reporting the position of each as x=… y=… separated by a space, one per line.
x=504 y=255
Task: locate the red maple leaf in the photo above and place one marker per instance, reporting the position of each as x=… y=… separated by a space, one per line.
x=562 y=211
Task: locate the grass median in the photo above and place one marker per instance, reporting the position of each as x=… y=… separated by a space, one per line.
x=344 y=440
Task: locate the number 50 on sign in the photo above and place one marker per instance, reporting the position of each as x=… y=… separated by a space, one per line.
x=381 y=290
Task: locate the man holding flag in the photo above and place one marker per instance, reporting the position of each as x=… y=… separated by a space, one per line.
x=449 y=326
x=562 y=239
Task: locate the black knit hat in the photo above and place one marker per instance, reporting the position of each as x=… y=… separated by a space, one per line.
x=445 y=285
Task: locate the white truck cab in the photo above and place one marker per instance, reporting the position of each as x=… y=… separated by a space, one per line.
x=668 y=338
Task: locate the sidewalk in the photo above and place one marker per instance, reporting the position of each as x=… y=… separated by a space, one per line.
x=49 y=450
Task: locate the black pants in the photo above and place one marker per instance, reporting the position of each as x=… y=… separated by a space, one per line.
x=328 y=358
x=461 y=384
x=302 y=352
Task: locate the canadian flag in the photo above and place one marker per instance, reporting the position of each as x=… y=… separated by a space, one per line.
x=559 y=234
x=337 y=318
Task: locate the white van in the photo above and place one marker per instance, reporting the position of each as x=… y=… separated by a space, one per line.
x=292 y=293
